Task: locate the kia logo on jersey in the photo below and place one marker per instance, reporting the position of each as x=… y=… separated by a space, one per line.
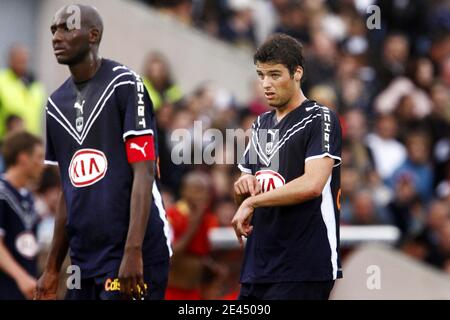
x=87 y=167
x=269 y=179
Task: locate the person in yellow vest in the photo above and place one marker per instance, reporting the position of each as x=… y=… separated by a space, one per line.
x=158 y=81
x=20 y=94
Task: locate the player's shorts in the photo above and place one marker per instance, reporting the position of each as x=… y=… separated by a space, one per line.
x=106 y=286
x=9 y=289
x=304 y=290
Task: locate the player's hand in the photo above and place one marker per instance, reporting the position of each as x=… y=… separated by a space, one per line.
x=131 y=274
x=46 y=286
x=27 y=285
x=241 y=221
x=247 y=185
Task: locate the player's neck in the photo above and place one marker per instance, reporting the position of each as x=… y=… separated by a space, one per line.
x=16 y=178
x=86 y=69
x=292 y=104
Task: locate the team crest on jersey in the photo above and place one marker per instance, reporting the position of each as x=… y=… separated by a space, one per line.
x=272 y=138
x=26 y=244
x=269 y=179
x=87 y=167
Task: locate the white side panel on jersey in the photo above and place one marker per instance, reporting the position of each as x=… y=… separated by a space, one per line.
x=329 y=218
x=162 y=214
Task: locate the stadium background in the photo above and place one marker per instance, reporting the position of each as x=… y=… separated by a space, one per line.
x=390 y=86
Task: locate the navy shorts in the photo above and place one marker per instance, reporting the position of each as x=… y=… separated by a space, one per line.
x=106 y=286
x=9 y=289
x=304 y=290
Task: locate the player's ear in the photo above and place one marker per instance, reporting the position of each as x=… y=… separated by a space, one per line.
x=94 y=36
x=298 y=75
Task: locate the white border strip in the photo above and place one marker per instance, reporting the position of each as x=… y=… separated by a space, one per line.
x=52 y=163
x=137 y=133
x=323 y=155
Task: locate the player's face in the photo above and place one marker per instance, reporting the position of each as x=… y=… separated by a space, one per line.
x=33 y=163
x=278 y=84
x=70 y=38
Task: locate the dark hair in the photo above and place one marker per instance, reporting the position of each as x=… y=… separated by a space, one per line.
x=282 y=49
x=49 y=179
x=16 y=143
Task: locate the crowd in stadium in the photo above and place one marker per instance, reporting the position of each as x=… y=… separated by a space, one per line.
x=390 y=86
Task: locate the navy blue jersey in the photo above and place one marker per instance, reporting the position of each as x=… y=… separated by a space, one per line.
x=298 y=242
x=18 y=220
x=87 y=126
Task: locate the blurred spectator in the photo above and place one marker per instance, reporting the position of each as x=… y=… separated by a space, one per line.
x=14 y=124
x=238 y=27
x=414 y=89
x=24 y=158
x=20 y=94
x=179 y=9
x=417 y=166
x=363 y=210
x=191 y=219
x=405 y=209
x=393 y=60
x=293 y=20
x=405 y=16
x=356 y=131
x=388 y=153
x=159 y=82
x=321 y=62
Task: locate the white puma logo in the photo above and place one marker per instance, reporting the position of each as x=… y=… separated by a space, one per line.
x=137 y=147
x=272 y=134
x=79 y=106
x=307 y=109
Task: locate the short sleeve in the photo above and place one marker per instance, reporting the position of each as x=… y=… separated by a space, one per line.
x=244 y=163
x=324 y=139
x=138 y=109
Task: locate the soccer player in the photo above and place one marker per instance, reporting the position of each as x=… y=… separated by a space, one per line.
x=289 y=188
x=100 y=132
x=24 y=159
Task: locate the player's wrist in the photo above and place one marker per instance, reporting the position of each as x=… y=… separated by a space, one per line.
x=251 y=202
x=133 y=248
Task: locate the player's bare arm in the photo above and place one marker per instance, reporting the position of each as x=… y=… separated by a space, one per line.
x=304 y=188
x=245 y=186
x=131 y=274
x=47 y=284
